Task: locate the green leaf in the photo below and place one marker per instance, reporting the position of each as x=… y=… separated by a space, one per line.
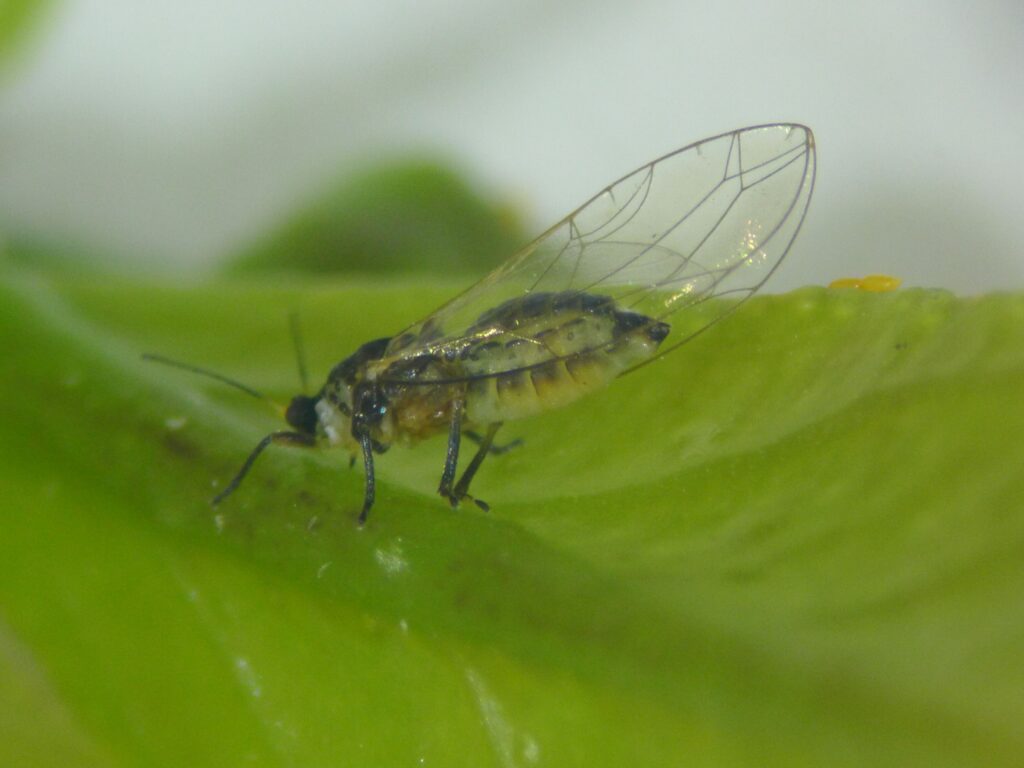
x=798 y=540
x=17 y=21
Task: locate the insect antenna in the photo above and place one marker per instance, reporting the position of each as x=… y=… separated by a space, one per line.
x=300 y=350
x=282 y=438
x=154 y=358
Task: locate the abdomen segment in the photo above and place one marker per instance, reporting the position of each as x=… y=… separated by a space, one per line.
x=548 y=350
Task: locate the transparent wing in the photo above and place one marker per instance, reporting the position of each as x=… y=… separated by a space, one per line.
x=684 y=239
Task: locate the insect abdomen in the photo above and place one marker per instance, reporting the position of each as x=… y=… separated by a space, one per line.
x=555 y=348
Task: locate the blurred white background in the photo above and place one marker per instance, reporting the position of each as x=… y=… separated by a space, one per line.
x=174 y=133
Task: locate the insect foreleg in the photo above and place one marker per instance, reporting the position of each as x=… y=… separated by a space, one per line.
x=370 y=490
x=462 y=488
x=281 y=438
x=451 y=458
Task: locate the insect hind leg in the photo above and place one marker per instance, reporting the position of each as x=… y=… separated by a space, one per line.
x=494 y=450
x=461 y=490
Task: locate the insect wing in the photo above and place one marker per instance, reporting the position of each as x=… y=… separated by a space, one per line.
x=700 y=229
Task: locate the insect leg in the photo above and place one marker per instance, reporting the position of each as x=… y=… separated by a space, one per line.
x=451 y=458
x=371 y=489
x=281 y=438
x=462 y=487
x=494 y=450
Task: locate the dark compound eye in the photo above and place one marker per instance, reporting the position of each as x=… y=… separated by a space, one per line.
x=301 y=414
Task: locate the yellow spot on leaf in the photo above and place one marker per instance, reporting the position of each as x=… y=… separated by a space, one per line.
x=870 y=283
